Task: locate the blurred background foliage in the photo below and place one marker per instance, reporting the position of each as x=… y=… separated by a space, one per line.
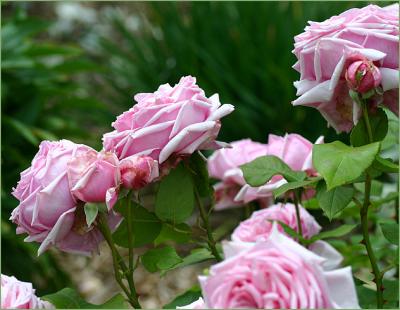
x=68 y=68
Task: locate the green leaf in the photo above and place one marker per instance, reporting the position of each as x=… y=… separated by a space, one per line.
x=179 y=233
x=22 y=129
x=391 y=232
x=340 y=164
x=385 y=165
x=160 y=259
x=334 y=200
x=145 y=226
x=67 y=298
x=185 y=299
x=262 y=169
x=293 y=185
x=91 y=211
x=198 y=166
x=334 y=233
x=391 y=292
x=175 y=196
x=388 y=198
x=196 y=256
x=379 y=128
x=392 y=137
x=311 y=204
x=366 y=297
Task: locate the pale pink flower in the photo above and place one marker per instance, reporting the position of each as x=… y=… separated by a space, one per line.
x=48 y=210
x=277 y=273
x=326 y=49
x=173 y=120
x=20 y=295
x=259 y=226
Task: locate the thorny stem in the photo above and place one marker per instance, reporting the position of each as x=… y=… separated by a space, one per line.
x=130 y=241
x=364 y=224
x=118 y=264
x=204 y=216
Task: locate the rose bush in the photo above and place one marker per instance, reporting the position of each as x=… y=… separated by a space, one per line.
x=277 y=273
x=224 y=164
x=173 y=120
x=326 y=49
x=49 y=212
x=20 y=295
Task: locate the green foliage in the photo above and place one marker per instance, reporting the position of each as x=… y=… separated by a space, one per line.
x=179 y=233
x=175 y=196
x=334 y=200
x=334 y=233
x=145 y=225
x=379 y=128
x=198 y=166
x=67 y=298
x=160 y=259
x=294 y=185
x=185 y=299
x=262 y=169
x=391 y=232
x=196 y=256
x=91 y=211
x=340 y=164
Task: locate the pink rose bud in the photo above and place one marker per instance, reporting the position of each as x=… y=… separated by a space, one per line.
x=138 y=171
x=362 y=76
x=259 y=226
x=94 y=176
x=277 y=273
x=171 y=121
x=20 y=295
x=48 y=211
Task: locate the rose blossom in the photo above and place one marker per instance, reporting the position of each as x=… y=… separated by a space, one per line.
x=326 y=49
x=48 y=211
x=20 y=295
x=94 y=176
x=173 y=120
x=224 y=164
x=277 y=273
x=137 y=171
x=259 y=225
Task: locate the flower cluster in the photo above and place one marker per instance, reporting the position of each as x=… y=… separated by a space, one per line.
x=171 y=123
x=233 y=190
x=363 y=41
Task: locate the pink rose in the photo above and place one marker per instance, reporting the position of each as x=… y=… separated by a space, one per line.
x=277 y=273
x=138 y=171
x=326 y=49
x=172 y=120
x=259 y=226
x=224 y=164
x=20 y=295
x=94 y=176
x=48 y=211
x=362 y=76
x=198 y=304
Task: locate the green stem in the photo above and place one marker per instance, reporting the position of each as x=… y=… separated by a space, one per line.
x=130 y=241
x=204 y=216
x=298 y=218
x=118 y=263
x=364 y=223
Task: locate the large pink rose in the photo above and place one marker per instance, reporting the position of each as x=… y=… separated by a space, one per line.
x=94 y=176
x=277 y=273
x=224 y=164
x=173 y=120
x=20 y=295
x=326 y=49
x=48 y=211
x=259 y=225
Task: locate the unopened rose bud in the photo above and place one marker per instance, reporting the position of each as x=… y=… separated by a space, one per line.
x=362 y=76
x=138 y=171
